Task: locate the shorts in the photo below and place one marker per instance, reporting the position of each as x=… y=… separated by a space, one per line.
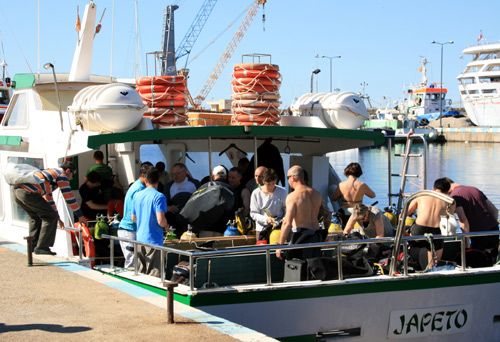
x=417 y=229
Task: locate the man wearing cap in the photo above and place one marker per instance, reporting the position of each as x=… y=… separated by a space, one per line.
x=37 y=201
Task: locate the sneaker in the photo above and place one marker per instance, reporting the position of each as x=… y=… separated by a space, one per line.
x=43 y=250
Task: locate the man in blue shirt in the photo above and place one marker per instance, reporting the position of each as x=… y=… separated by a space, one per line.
x=149 y=212
x=127 y=228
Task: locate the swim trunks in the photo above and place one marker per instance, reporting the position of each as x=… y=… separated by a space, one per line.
x=417 y=229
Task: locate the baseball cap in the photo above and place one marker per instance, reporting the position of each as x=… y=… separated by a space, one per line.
x=219 y=171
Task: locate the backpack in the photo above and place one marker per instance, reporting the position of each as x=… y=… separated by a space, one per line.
x=16 y=174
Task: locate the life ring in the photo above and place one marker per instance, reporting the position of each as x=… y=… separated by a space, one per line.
x=417 y=101
x=164 y=96
x=155 y=111
x=255 y=87
x=88 y=242
x=256 y=73
x=255 y=96
x=165 y=103
x=170 y=88
x=255 y=111
x=256 y=103
x=256 y=66
x=160 y=80
x=256 y=118
x=247 y=81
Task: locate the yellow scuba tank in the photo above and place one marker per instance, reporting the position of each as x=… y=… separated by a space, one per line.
x=335 y=227
x=409 y=221
x=392 y=218
x=188 y=235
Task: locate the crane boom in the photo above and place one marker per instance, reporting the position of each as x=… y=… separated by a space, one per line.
x=195 y=29
x=228 y=53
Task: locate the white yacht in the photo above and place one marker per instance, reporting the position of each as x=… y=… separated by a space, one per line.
x=479 y=84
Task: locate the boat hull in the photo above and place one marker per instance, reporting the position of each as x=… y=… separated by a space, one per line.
x=437 y=308
x=484 y=111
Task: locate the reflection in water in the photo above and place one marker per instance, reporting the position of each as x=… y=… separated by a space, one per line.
x=467 y=164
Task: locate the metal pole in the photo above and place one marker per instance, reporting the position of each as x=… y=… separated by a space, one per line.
x=331 y=75
x=441 y=93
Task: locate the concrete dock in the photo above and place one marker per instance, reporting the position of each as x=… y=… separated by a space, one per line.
x=56 y=300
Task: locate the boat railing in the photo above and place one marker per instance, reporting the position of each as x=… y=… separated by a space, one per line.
x=268 y=250
x=80 y=239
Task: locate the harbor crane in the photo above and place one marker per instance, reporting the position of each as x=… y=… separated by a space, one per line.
x=245 y=24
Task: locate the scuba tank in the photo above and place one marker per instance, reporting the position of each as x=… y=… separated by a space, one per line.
x=188 y=235
x=101 y=227
x=335 y=225
x=113 y=226
x=388 y=211
x=274 y=237
x=232 y=230
x=171 y=234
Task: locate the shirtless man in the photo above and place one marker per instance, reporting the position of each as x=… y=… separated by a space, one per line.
x=430 y=209
x=301 y=217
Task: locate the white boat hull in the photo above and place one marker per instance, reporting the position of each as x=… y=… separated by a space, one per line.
x=423 y=310
x=483 y=111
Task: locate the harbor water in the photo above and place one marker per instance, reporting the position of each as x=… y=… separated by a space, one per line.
x=472 y=164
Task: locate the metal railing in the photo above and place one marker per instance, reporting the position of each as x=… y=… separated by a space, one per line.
x=268 y=249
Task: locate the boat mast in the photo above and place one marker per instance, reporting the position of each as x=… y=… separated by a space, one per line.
x=82 y=60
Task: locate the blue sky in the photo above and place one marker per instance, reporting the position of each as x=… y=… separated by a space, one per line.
x=380 y=41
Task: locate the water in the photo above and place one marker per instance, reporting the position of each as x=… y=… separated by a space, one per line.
x=466 y=163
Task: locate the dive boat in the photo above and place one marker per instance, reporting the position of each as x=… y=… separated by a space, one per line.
x=479 y=84
x=242 y=282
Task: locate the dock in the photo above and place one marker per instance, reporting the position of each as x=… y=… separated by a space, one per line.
x=58 y=300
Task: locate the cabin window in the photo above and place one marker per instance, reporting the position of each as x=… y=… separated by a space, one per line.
x=4 y=97
x=17 y=113
x=469 y=80
x=472 y=92
x=18 y=213
x=493 y=67
x=489 y=91
x=475 y=68
x=484 y=80
x=463 y=92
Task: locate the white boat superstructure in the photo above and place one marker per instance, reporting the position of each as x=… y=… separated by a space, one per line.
x=479 y=84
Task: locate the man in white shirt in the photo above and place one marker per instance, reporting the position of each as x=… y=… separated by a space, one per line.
x=177 y=193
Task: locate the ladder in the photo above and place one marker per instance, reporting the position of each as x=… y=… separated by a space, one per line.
x=404 y=173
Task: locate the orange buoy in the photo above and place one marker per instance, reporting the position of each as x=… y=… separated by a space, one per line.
x=166 y=97
x=256 y=73
x=255 y=98
x=88 y=242
x=251 y=95
x=256 y=103
x=264 y=81
x=160 y=80
x=256 y=66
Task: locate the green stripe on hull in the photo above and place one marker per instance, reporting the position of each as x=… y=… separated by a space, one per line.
x=343 y=290
x=324 y=290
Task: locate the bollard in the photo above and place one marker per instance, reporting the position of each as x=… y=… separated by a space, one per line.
x=29 y=241
x=170 y=299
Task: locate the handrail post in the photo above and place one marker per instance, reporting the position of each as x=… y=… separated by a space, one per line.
x=339 y=261
x=268 y=266
x=162 y=265
x=405 y=256
x=191 y=273
x=80 y=244
x=462 y=250
x=112 y=253
x=136 y=267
